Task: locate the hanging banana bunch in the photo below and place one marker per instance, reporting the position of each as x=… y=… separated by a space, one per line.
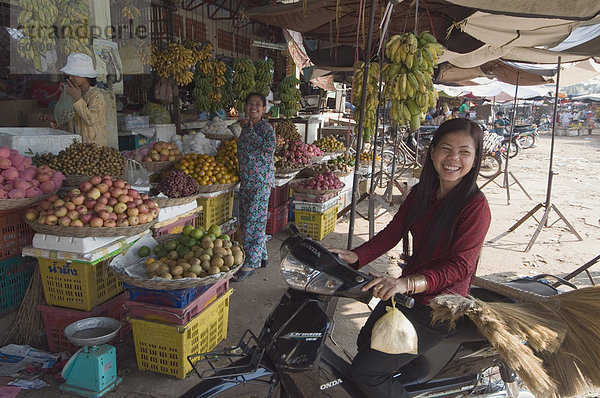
x=176 y=60
x=243 y=81
x=74 y=19
x=263 y=76
x=289 y=95
x=227 y=94
x=37 y=18
x=408 y=82
x=371 y=103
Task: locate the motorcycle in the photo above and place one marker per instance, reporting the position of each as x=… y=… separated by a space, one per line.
x=294 y=357
x=526 y=135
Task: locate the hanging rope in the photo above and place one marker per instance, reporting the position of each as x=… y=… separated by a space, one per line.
x=458 y=25
x=416 y=16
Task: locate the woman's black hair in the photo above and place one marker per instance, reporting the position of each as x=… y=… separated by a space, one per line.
x=262 y=98
x=93 y=81
x=455 y=109
x=500 y=113
x=443 y=221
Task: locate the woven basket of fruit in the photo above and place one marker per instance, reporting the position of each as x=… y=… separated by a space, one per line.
x=319 y=185
x=159 y=167
x=216 y=187
x=100 y=207
x=11 y=204
x=190 y=259
x=76 y=180
x=178 y=187
x=84 y=232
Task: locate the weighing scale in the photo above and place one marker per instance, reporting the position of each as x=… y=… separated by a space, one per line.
x=92 y=371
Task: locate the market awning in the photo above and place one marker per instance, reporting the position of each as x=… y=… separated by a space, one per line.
x=578 y=10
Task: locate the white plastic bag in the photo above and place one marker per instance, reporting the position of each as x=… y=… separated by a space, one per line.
x=136 y=175
x=393 y=333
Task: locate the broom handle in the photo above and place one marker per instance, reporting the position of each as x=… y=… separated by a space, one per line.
x=509 y=291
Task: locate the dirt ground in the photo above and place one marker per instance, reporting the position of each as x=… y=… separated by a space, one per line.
x=575 y=193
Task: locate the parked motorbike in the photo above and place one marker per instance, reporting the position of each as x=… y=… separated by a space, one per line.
x=526 y=135
x=491 y=161
x=294 y=357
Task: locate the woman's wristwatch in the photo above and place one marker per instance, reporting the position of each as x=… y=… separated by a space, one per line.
x=416 y=284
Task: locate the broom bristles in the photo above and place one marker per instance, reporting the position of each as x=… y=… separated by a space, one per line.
x=27 y=325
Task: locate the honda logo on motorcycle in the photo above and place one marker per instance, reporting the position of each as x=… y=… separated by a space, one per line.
x=312 y=249
x=331 y=384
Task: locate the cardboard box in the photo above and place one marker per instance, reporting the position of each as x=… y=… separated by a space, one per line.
x=13 y=112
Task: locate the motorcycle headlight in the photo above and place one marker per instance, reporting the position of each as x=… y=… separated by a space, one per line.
x=302 y=277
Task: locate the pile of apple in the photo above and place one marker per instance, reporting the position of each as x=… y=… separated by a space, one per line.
x=156 y=152
x=98 y=202
x=20 y=179
x=322 y=182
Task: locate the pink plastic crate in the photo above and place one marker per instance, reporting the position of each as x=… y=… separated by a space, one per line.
x=177 y=316
x=279 y=195
x=56 y=319
x=277 y=218
x=176 y=227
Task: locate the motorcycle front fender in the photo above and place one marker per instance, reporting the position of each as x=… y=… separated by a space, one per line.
x=262 y=382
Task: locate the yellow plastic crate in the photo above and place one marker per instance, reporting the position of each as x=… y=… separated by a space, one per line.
x=316 y=225
x=80 y=286
x=164 y=348
x=215 y=210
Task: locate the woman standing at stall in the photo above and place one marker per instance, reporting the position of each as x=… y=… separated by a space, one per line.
x=256 y=149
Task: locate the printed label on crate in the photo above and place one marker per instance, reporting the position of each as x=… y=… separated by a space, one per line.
x=65 y=269
x=307 y=217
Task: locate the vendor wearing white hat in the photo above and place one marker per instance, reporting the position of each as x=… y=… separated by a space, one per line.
x=88 y=101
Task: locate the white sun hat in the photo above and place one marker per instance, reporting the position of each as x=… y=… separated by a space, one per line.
x=79 y=64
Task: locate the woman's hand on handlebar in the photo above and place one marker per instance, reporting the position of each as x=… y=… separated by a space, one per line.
x=345 y=255
x=384 y=287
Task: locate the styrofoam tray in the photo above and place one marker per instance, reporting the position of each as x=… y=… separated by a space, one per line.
x=167 y=213
x=71 y=244
x=316 y=207
x=36 y=139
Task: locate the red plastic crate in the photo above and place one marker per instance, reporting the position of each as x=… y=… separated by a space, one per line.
x=277 y=218
x=56 y=319
x=177 y=316
x=15 y=234
x=279 y=195
x=176 y=227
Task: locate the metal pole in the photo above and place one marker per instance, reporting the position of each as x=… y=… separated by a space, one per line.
x=361 y=119
x=510 y=138
x=374 y=150
x=550 y=172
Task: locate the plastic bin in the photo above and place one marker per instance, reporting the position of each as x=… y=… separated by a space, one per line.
x=277 y=218
x=36 y=139
x=131 y=142
x=279 y=195
x=179 y=298
x=177 y=316
x=57 y=319
x=77 y=285
x=316 y=225
x=164 y=132
x=15 y=273
x=15 y=234
x=128 y=122
x=215 y=210
x=175 y=227
x=316 y=207
x=164 y=348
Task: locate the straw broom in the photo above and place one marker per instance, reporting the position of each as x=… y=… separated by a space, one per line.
x=562 y=355
x=27 y=325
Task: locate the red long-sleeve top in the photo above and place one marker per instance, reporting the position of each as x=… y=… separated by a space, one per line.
x=446 y=270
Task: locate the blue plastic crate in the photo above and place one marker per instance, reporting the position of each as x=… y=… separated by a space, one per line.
x=15 y=273
x=169 y=298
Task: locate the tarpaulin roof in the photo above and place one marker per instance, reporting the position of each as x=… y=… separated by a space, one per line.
x=493 y=89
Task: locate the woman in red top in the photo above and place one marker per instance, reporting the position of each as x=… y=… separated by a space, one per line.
x=448 y=218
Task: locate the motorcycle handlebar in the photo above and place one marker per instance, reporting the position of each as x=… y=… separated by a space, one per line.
x=404 y=300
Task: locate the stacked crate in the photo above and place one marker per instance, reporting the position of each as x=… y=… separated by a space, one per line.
x=78 y=284
x=15 y=270
x=316 y=215
x=170 y=325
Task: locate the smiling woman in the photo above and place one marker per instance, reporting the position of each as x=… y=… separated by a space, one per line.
x=256 y=149
x=448 y=218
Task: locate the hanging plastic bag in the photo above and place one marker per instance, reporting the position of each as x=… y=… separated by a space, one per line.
x=163 y=91
x=136 y=174
x=63 y=110
x=393 y=333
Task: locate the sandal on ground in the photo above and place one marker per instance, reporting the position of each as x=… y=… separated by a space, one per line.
x=242 y=275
